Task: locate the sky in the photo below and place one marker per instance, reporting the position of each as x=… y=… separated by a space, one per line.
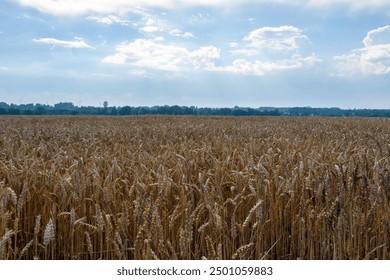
x=214 y=53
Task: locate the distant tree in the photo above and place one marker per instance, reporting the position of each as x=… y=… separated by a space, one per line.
x=14 y=111
x=64 y=106
x=67 y=108
x=105 y=107
x=3 y=105
x=175 y=110
x=143 y=111
x=114 y=111
x=224 y=111
x=40 y=110
x=125 y=110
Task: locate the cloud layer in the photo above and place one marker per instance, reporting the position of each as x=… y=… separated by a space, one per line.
x=77 y=7
x=373 y=58
x=109 y=20
x=283 y=43
x=282 y=38
x=157 y=55
x=76 y=44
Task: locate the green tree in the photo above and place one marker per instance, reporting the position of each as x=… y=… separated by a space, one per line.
x=105 y=107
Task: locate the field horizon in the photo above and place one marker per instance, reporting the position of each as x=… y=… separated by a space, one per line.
x=68 y=108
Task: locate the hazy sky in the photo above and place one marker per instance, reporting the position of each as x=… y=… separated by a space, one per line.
x=318 y=53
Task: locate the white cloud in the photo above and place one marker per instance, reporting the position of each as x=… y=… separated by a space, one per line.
x=204 y=57
x=154 y=54
x=120 y=7
x=77 y=7
x=373 y=58
x=377 y=36
x=175 y=32
x=3 y=69
x=188 y=35
x=151 y=29
x=270 y=50
x=178 y=33
x=118 y=58
x=277 y=41
x=354 y=4
x=141 y=72
x=281 y=39
x=149 y=23
x=109 y=20
x=285 y=41
x=261 y=68
x=77 y=44
x=152 y=23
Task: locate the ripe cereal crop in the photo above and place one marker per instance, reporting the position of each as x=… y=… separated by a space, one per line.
x=191 y=188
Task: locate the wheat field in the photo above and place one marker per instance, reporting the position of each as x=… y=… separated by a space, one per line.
x=162 y=187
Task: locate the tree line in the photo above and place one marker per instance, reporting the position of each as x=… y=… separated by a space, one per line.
x=68 y=108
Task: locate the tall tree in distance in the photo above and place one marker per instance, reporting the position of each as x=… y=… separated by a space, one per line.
x=105 y=107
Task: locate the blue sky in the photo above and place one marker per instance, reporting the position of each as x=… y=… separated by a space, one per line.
x=217 y=53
